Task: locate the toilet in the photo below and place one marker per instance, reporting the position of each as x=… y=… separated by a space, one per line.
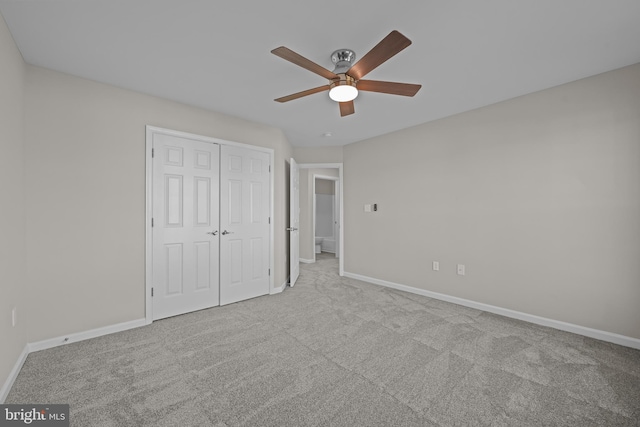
x=319 y=244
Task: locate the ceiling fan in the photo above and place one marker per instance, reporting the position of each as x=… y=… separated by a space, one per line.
x=346 y=79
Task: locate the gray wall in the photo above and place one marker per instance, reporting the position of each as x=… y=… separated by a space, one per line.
x=12 y=190
x=538 y=196
x=85 y=204
x=329 y=154
x=325 y=186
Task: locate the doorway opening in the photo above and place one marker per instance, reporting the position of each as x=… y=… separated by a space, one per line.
x=330 y=181
x=325 y=214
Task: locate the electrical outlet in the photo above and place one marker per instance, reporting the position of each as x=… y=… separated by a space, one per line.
x=14 y=317
x=436 y=266
x=461 y=270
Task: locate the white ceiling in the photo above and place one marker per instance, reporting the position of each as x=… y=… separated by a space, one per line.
x=216 y=54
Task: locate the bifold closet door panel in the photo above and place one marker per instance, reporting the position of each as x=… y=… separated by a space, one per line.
x=186 y=182
x=244 y=223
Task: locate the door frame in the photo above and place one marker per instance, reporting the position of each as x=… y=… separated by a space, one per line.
x=294 y=213
x=150 y=131
x=341 y=183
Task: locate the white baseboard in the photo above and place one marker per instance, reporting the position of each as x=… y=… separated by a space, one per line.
x=307 y=261
x=85 y=335
x=65 y=339
x=556 y=324
x=279 y=289
x=6 y=387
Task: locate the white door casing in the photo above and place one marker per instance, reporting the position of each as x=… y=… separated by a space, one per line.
x=244 y=223
x=294 y=222
x=336 y=216
x=185 y=225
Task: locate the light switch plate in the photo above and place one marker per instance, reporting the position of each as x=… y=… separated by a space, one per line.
x=367 y=208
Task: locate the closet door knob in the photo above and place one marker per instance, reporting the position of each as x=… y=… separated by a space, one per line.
x=213 y=233
x=292 y=229
x=225 y=232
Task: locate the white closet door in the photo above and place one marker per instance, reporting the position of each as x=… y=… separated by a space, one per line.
x=185 y=230
x=244 y=223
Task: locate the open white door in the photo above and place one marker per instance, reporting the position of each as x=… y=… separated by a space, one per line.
x=294 y=222
x=185 y=225
x=244 y=223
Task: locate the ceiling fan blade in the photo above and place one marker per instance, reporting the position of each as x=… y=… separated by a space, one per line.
x=404 y=89
x=388 y=47
x=347 y=108
x=291 y=56
x=303 y=93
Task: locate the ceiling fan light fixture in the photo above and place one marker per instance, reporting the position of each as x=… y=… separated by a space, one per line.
x=348 y=74
x=344 y=89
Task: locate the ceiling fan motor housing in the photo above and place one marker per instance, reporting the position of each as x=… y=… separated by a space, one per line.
x=343 y=60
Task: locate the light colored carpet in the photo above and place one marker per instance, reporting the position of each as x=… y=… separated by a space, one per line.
x=337 y=352
x=325 y=255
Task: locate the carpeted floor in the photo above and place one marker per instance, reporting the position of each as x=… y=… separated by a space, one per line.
x=335 y=351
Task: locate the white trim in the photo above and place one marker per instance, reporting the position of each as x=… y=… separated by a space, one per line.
x=281 y=288
x=307 y=261
x=272 y=220
x=319 y=165
x=85 y=335
x=556 y=324
x=6 y=387
x=62 y=340
x=150 y=130
x=341 y=242
x=313 y=217
x=148 y=249
x=338 y=166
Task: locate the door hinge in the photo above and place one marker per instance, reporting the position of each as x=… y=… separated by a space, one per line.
x=269 y=272
x=269 y=220
x=153 y=152
x=269 y=168
x=151 y=222
x=152 y=292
